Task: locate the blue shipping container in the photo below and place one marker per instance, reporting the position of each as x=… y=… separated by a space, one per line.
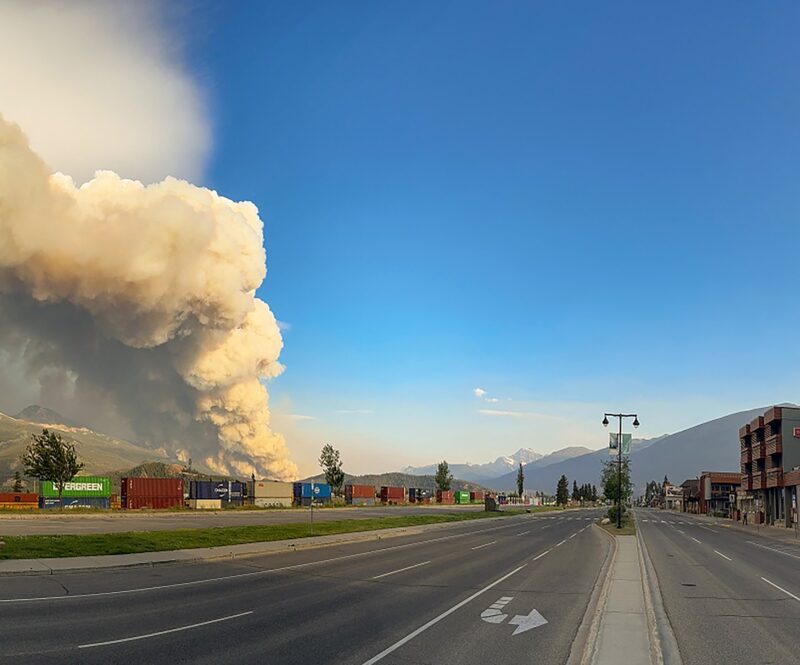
x=227 y=491
x=322 y=491
x=75 y=502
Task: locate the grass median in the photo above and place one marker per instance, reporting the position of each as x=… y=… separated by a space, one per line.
x=131 y=542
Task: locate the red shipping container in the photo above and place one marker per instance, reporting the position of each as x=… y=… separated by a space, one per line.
x=19 y=497
x=152 y=492
x=444 y=497
x=136 y=502
x=476 y=496
x=152 y=487
x=359 y=491
x=392 y=493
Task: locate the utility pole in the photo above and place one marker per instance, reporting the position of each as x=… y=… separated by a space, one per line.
x=620 y=416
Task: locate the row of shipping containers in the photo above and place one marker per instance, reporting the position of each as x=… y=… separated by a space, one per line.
x=365 y=495
x=161 y=493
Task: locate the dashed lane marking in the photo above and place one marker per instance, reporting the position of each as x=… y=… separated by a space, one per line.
x=400 y=570
x=164 y=632
x=788 y=593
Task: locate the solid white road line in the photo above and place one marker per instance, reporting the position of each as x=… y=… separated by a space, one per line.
x=781 y=589
x=694 y=539
x=772 y=549
x=723 y=556
x=400 y=570
x=523 y=533
x=164 y=632
x=559 y=544
x=484 y=545
x=437 y=619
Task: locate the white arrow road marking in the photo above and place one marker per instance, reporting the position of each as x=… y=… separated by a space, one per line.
x=526 y=622
x=493 y=614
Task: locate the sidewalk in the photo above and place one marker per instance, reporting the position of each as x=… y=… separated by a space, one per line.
x=624 y=632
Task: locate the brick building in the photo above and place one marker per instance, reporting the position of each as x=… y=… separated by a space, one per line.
x=770 y=466
x=718 y=492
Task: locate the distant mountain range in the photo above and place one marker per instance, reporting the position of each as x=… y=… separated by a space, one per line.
x=488 y=472
x=710 y=446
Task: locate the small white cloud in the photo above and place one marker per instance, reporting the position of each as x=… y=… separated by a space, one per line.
x=479 y=392
x=283 y=326
x=492 y=400
x=300 y=416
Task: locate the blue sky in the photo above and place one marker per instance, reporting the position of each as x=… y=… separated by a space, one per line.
x=575 y=208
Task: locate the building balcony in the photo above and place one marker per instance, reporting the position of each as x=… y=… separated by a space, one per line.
x=774 y=444
x=759 y=451
x=775 y=478
x=759 y=481
x=744 y=431
x=757 y=423
x=747 y=482
x=775 y=413
x=747 y=456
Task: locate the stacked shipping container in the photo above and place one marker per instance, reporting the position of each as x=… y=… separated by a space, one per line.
x=229 y=493
x=272 y=494
x=152 y=493
x=80 y=492
x=445 y=497
x=19 y=500
x=393 y=494
x=303 y=493
x=462 y=497
x=476 y=497
x=359 y=495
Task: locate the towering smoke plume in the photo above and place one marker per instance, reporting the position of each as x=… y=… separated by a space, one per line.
x=141 y=299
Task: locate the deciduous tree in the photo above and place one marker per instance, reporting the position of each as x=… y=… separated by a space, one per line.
x=49 y=457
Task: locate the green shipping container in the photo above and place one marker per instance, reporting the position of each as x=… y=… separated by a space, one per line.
x=80 y=486
x=462 y=497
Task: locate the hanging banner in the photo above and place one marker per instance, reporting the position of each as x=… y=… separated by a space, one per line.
x=613 y=443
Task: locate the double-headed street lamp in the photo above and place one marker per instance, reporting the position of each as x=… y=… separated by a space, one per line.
x=619 y=456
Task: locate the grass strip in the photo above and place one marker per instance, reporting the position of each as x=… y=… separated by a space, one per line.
x=131 y=542
x=628 y=527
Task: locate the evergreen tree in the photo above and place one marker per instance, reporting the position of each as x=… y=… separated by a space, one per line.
x=562 y=491
x=520 y=480
x=575 y=495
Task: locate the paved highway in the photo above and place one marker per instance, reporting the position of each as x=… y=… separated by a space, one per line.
x=468 y=593
x=731 y=597
x=15 y=524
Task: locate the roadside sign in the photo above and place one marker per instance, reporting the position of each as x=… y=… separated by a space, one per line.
x=613 y=443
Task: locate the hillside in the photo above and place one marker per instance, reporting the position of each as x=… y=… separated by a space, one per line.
x=712 y=446
x=400 y=479
x=101 y=453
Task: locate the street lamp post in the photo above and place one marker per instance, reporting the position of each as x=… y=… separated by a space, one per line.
x=620 y=416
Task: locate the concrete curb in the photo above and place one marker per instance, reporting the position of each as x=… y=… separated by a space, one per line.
x=663 y=645
x=583 y=646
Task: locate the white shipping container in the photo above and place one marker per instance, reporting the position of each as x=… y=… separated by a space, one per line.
x=205 y=504
x=273 y=502
x=267 y=489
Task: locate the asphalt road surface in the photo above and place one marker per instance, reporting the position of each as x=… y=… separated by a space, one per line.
x=469 y=593
x=15 y=524
x=731 y=597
